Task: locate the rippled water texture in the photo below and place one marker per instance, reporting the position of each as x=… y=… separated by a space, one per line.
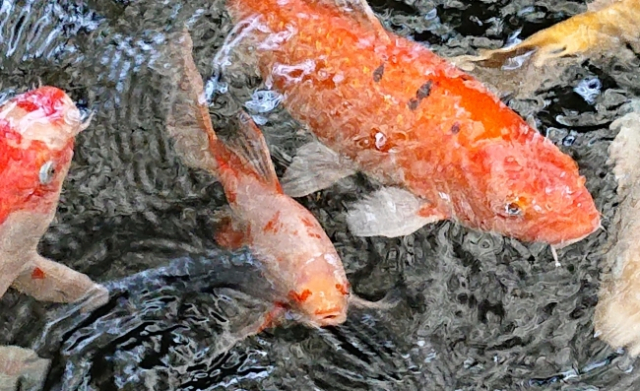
x=478 y=312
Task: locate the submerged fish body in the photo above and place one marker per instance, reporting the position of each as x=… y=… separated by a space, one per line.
x=282 y=233
x=389 y=107
x=299 y=258
x=37 y=135
x=617 y=314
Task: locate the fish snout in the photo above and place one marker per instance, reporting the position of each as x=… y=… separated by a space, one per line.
x=331 y=317
x=570 y=228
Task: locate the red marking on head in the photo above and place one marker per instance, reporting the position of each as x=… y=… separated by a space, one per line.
x=272 y=225
x=343 y=289
x=299 y=298
x=37 y=274
x=48 y=99
x=20 y=169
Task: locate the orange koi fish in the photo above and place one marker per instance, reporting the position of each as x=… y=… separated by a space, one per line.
x=37 y=133
x=443 y=145
x=298 y=255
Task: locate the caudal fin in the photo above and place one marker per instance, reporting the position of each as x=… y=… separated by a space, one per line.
x=195 y=139
x=188 y=121
x=250 y=149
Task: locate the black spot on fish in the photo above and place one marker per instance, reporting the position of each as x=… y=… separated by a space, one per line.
x=455 y=128
x=377 y=74
x=424 y=90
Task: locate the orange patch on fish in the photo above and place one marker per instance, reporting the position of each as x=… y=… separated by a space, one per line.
x=37 y=274
x=342 y=289
x=272 y=225
x=300 y=297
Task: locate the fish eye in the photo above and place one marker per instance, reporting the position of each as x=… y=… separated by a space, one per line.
x=47 y=171
x=513 y=209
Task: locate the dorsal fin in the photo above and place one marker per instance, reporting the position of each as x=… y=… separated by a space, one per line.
x=362 y=12
x=251 y=148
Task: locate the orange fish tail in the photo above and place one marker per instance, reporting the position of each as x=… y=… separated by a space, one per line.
x=246 y=153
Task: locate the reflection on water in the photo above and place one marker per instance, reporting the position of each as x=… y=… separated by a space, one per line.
x=478 y=311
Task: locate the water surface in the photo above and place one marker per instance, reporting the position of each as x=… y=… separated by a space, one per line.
x=477 y=311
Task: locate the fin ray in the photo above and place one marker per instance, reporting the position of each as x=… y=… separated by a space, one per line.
x=390 y=212
x=251 y=148
x=188 y=121
x=315 y=167
x=195 y=138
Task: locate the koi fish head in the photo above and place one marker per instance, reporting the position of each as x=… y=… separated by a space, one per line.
x=37 y=132
x=535 y=193
x=322 y=298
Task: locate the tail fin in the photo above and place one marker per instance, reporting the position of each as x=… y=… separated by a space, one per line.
x=198 y=143
x=250 y=149
x=188 y=122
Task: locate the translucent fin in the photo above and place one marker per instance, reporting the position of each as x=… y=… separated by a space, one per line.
x=196 y=140
x=597 y=5
x=52 y=281
x=251 y=148
x=230 y=233
x=188 y=122
x=389 y=301
x=315 y=167
x=390 y=212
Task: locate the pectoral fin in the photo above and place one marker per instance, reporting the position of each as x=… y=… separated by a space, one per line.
x=315 y=167
x=390 y=212
x=229 y=234
x=52 y=281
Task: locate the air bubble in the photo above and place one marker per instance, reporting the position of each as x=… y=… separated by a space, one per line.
x=381 y=140
x=589 y=89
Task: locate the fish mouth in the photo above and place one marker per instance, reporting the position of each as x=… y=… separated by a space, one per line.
x=330 y=317
x=596 y=223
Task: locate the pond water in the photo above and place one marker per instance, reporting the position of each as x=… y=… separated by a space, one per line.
x=477 y=311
